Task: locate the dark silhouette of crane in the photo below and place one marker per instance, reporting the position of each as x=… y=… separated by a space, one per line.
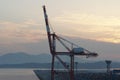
x=71 y=52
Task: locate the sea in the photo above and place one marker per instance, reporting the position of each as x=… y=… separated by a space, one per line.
x=17 y=74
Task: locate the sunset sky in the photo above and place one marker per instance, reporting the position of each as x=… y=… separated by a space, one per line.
x=22 y=26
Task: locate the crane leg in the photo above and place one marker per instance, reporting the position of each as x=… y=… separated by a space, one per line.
x=72 y=67
x=52 y=67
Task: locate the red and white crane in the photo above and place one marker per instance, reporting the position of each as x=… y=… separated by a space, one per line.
x=71 y=52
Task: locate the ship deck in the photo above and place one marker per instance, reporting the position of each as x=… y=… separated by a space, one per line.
x=64 y=75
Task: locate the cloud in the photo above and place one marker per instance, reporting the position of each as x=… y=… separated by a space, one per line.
x=88 y=19
x=28 y=37
x=24 y=32
x=90 y=26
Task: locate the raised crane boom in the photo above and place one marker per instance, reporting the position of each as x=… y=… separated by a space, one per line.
x=47 y=28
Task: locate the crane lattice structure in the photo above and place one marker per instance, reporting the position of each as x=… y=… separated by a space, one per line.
x=71 y=52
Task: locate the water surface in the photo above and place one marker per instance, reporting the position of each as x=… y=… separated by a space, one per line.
x=17 y=74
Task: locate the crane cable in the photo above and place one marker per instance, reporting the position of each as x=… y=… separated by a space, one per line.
x=51 y=27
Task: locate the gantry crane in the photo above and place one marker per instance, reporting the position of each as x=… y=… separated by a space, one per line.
x=75 y=50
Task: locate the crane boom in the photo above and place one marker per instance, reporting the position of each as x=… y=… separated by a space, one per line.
x=46 y=20
x=48 y=29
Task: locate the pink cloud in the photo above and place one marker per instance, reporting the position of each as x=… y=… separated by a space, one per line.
x=27 y=31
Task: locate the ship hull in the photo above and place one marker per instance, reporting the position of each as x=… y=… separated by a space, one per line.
x=63 y=75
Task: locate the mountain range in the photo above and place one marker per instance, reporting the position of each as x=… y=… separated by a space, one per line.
x=24 y=60
x=21 y=57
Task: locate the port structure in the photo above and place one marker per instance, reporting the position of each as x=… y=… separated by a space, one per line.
x=108 y=62
x=70 y=51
